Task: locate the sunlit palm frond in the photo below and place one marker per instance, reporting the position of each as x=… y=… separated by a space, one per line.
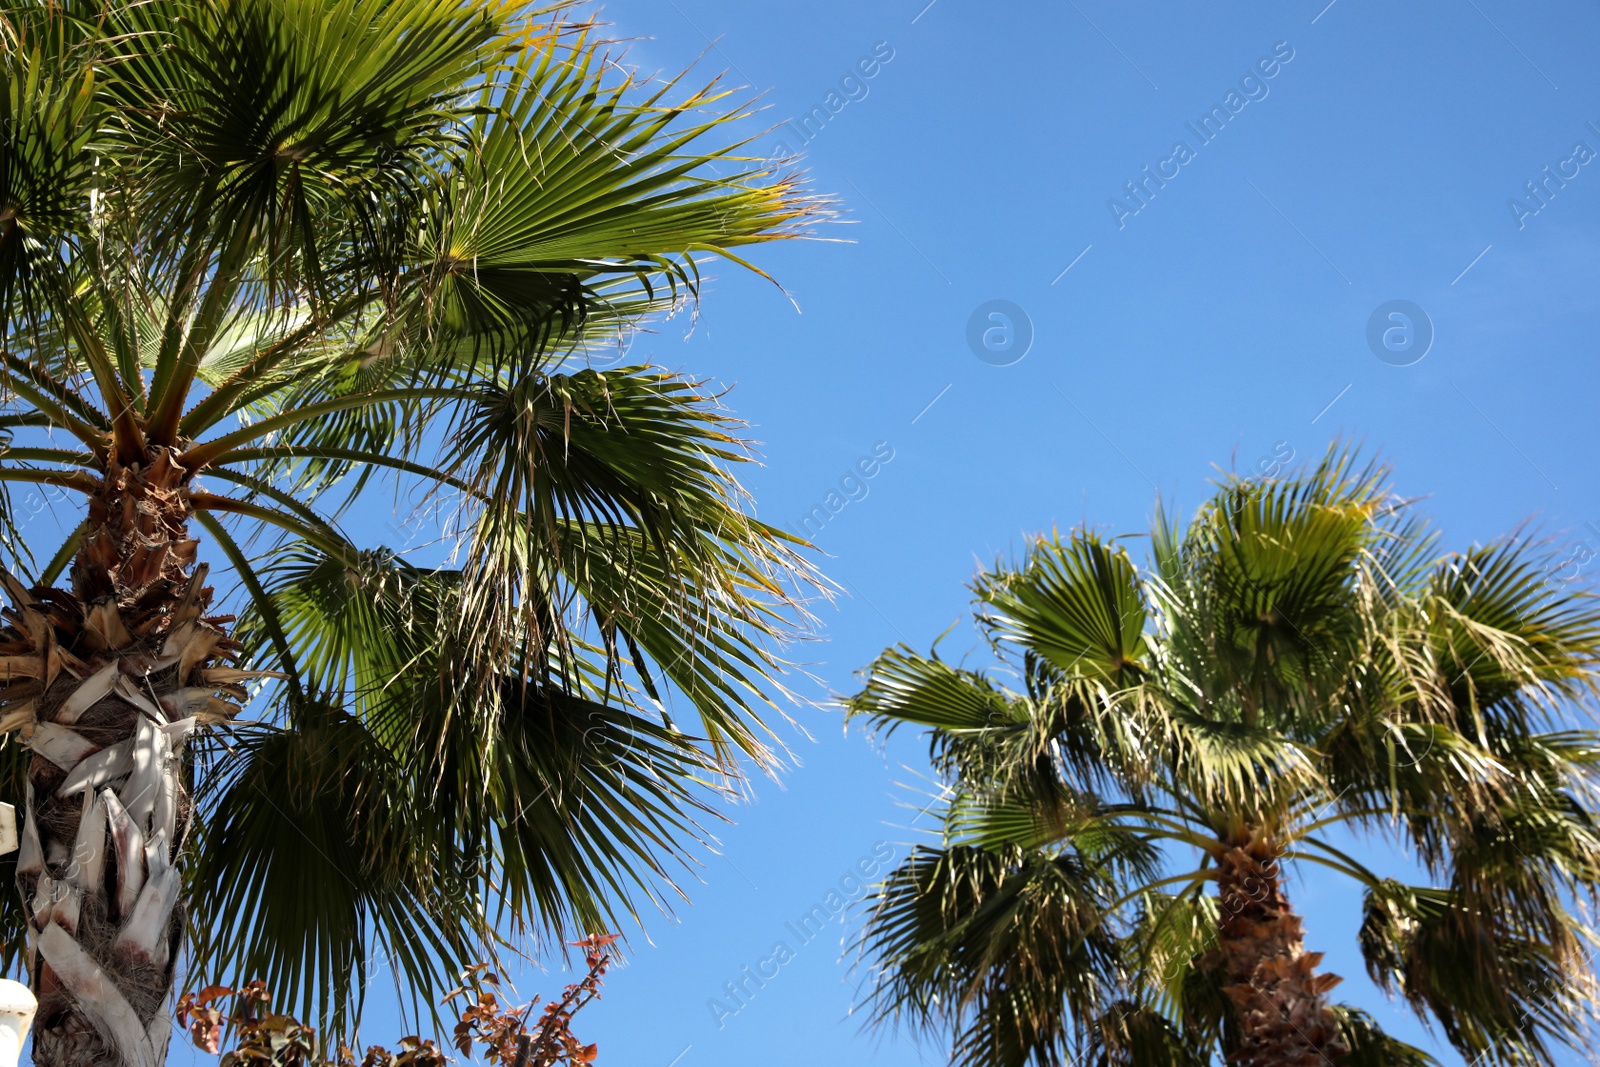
x=1077 y=604
x=616 y=487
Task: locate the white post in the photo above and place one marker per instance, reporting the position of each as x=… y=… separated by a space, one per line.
x=17 y=1006
x=8 y=829
x=17 y=1003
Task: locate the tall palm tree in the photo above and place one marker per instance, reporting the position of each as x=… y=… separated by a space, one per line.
x=1297 y=667
x=260 y=260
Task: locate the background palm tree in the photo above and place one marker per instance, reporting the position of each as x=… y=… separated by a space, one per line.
x=1298 y=665
x=301 y=250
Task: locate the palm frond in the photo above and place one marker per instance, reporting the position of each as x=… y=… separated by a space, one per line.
x=1500 y=994
x=49 y=118
x=1369 y=1046
x=1132 y=1035
x=1078 y=605
x=548 y=809
x=317 y=868
x=1000 y=949
x=615 y=488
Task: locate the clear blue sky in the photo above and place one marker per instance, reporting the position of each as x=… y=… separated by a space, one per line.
x=1223 y=322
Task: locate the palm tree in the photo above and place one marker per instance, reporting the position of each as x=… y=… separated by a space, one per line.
x=258 y=260
x=1298 y=667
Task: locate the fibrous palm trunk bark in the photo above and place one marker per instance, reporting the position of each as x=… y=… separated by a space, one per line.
x=105 y=684
x=1284 y=1019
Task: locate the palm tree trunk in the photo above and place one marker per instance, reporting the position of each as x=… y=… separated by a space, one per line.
x=1284 y=1019
x=105 y=684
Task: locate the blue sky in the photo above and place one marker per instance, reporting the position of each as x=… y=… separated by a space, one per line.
x=1222 y=323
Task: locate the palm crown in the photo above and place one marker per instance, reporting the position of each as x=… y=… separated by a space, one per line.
x=260 y=256
x=1297 y=665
